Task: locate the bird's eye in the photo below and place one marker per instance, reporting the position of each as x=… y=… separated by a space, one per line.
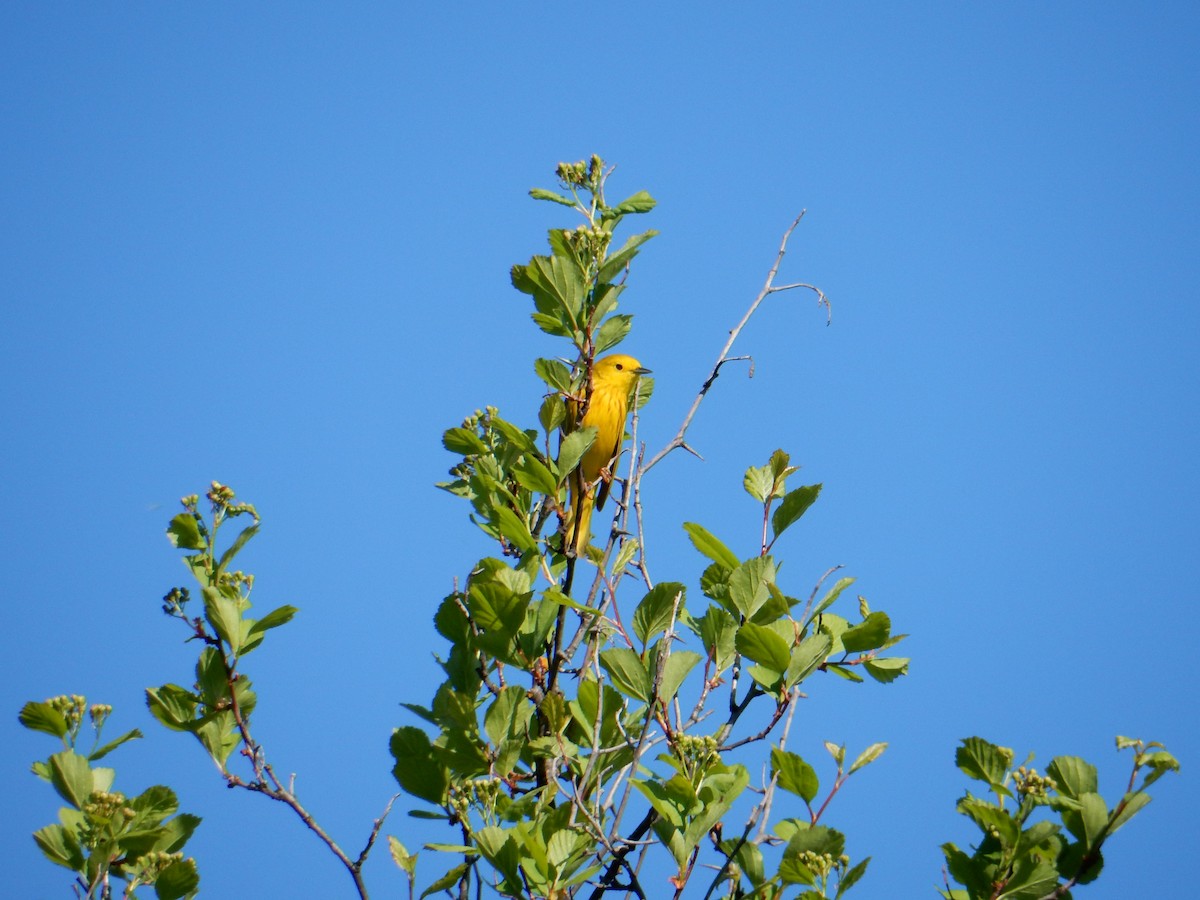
x=619 y=366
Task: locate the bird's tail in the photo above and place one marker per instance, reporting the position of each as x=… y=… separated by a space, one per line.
x=577 y=523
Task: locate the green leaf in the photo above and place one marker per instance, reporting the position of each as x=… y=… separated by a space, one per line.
x=748 y=584
x=627 y=672
x=983 y=761
x=573 y=446
x=807 y=657
x=276 y=617
x=514 y=528
x=710 y=546
x=112 y=745
x=224 y=616
x=176 y=832
x=43 y=717
x=853 y=876
x=495 y=608
x=178 y=879
x=794 y=775
x=532 y=475
x=675 y=671
x=829 y=599
x=1073 y=775
x=448 y=880
x=508 y=714
x=718 y=632
x=1133 y=803
x=657 y=610
x=641 y=202
x=173 y=706
x=613 y=331
x=239 y=542
x=552 y=413
x=184 y=533
x=762 y=645
x=60 y=847
x=869 y=635
x=543 y=194
x=1094 y=815
x=617 y=261
x=407 y=862
x=759 y=482
x=416 y=769
x=991 y=820
x=967 y=870
x=887 y=669
x=795 y=504
x=464 y=442
x=72 y=777
x=868 y=756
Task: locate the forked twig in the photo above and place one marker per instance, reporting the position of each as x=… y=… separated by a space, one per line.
x=769 y=287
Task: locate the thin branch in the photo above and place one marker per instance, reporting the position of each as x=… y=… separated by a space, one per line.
x=769 y=288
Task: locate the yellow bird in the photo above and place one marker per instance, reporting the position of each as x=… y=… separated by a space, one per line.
x=613 y=379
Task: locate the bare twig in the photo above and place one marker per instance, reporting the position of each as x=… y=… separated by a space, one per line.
x=768 y=288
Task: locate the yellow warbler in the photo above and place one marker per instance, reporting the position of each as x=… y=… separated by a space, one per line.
x=613 y=378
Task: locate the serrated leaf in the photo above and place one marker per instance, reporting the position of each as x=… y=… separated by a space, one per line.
x=1073 y=775
x=178 y=879
x=641 y=202
x=573 y=446
x=887 y=669
x=236 y=547
x=748 y=584
x=983 y=761
x=173 y=706
x=508 y=714
x=627 y=672
x=675 y=671
x=72 y=777
x=870 y=634
x=613 y=331
x=1134 y=802
x=514 y=528
x=60 y=847
x=224 y=616
x=853 y=876
x=416 y=769
x=708 y=544
x=829 y=599
x=759 y=482
x=762 y=645
x=532 y=475
x=657 y=609
x=868 y=756
x=807 y=657
x=279 y=616
x=795 y=504
x=543 y=194
x=184 y=532
x=110 y=746
x=617 y=261
x=1094 y=816
x=405 y=861
x=448 y=880
x=40 y=716
x=794 y=775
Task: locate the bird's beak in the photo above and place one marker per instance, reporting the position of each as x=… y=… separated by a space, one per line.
x=642 y=370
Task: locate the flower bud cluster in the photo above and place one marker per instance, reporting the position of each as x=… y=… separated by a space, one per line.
x=820 y=864
x=71 y=708
x=1031 y=784
x=700 y=752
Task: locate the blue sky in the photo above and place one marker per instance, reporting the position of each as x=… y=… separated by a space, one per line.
x=270 y=246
